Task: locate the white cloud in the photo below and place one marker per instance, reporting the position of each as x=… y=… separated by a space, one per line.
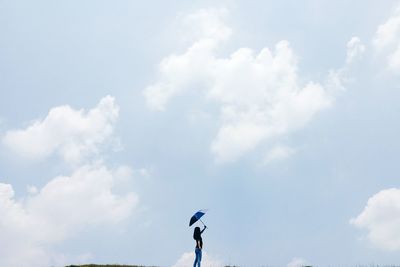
x=93 y=195
x=61 y=209
x=387 y=40
x=187 y=259
x=337 y=78
x=179 y=72
x=72 y=134
x=387 y=33
x=207 y=28
x=381 y=219
x=206 y=24
x=297 y=262
x=355 y=49
x=31 y=189
x=260 y=95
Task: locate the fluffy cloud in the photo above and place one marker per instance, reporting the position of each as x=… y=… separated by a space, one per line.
x=381 y=219
x=387 y=33
x=387 y=40
x=297 y=262
x=187 y=259
x=72 y=134
x=355 y=49
x=32 y=226
x=261 y=96
x=62 y=208
x=206 y=24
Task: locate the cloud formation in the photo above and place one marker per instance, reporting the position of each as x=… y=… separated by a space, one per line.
x=355 y=49
x=387 y=40
x=187 y=259
x=261 y=95
x=297 y=262
x=206 y=24
x=72 y=134
x=32 y=225
x=381 y=219
x=62 y=208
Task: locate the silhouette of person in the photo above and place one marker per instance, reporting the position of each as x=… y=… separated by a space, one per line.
x=199 y=245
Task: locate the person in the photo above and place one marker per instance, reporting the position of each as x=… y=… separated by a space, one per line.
x=199 y=245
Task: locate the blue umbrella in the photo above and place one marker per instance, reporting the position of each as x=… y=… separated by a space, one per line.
x=196 y=217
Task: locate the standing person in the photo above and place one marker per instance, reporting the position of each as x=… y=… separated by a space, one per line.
x=199 y=245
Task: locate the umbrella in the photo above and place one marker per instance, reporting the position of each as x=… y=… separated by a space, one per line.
x=196 y=217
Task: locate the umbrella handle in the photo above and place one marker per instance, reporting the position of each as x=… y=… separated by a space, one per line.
x=202 y=223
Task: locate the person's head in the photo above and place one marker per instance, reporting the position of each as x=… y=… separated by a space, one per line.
x=196 y=233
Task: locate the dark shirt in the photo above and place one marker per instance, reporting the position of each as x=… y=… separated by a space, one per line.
x=200 y=241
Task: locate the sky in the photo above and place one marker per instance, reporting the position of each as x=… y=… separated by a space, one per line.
x=120 y=119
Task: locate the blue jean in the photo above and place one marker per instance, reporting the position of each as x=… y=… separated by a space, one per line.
x=198 y=257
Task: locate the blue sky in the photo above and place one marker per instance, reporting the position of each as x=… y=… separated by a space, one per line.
x=119 y=120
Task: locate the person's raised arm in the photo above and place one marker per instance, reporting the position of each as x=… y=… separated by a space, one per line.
x=203 y=229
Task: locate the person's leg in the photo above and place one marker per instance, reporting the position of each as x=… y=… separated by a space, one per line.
x=200 y=254
x=196 y=258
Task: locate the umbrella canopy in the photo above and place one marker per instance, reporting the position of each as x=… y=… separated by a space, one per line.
x=197 y=217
